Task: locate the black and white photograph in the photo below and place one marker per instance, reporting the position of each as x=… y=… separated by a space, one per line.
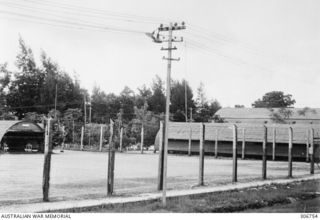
x=158 y=107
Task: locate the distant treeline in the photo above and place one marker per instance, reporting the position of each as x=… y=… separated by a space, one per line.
x=29 y=93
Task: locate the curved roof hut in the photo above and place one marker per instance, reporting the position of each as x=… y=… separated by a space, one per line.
x=21 y=136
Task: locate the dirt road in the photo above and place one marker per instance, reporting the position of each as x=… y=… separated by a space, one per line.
x=78 y=175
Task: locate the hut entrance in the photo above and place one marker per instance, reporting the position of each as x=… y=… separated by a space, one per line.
x=22 y=136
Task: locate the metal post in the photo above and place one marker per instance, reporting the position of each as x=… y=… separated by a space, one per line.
x=82 y=134
x=274 y=138
x=311 y=152
x=234 y=153
x=121 y=138
x=243 y=143
x=290 y=153
x=307 y=144
x=47 y=161
x=101 y=138
x=111 y=160
x=216 y=144
x=186 y=100
x=201 y=154
x=264 y=153
x=142 y=138
x=190 y=139
x=85 y=111
x=55 y=102
x=89 y=136
x=72 y=131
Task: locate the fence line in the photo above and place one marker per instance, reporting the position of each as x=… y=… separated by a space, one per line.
x=161 y=168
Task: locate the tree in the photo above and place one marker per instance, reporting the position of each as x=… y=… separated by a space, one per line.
x=178 y=92
x=34 y=117
x=24 y=92
x=201 y=99
x=144 y=95
x=69 y=95
x=33 y=88
x=274 y=99
x=5 y=78
x=113 y=105
x=306 y=110
x=72 y=120
x=127 y=99
x=150 y=122
x=280 y=115
x=157 y=101
x=99 y=103
x=205 y=109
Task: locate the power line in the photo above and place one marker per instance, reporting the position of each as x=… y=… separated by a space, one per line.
x=226 y=40
x=57 y=21
x=209 y=36
x=233 y=60
x=89 y=25
x=46 y=6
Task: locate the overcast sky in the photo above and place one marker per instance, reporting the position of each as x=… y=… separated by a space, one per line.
x=240 y=49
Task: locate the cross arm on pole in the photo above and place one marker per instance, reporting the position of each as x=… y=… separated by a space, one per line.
x=172 y=59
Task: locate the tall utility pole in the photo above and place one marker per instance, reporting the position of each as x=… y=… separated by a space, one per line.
x=85 y=110
x=120 y=127
x=89 y=103
x=186 y=100
x=55 y=102
x=159 y=39
x=90 y=108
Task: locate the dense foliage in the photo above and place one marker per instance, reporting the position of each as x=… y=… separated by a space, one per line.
x=37 y=91
x=274 y=99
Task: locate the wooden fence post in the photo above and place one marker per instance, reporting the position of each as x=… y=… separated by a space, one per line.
x=311 y=152
x=190 y=140
x=160 y=164
x=72 y=131
x=243 y=143
x=47 y=161
x=89 y=136
x=121 y=138
x=142 y=139
x=101 y=138
x=216 y=144
x=82 y=134
x=290 y=153
x=201 y=153
x=111 y=160
x=264 y=152
x=234 y=153
x=307 y=144
x=274 y=139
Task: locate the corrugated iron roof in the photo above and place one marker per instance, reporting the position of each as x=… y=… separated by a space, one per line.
x=5 y=125
x=253 y=132
x=264 y=113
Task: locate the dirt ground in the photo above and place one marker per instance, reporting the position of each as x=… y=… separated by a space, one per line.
x=79 y=175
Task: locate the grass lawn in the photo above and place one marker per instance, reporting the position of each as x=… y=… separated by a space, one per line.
x=232 y=201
